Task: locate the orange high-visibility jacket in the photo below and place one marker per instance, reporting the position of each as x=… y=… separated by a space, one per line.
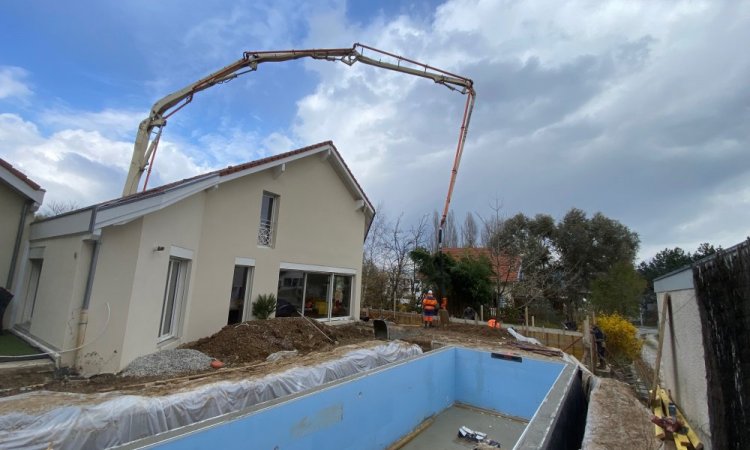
x=429 y=303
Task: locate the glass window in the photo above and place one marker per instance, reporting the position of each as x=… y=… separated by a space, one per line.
x=174 y=294
x=240 y=284
x=269 y=205
x=289 y=296
x=32 y=288
x=342 y=296
x=316 y=295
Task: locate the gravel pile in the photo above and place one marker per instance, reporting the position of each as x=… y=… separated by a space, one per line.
x=168 y=362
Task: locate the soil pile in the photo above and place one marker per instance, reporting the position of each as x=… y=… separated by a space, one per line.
x=255 y=340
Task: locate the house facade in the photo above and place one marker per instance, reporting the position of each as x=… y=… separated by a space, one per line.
x=705 y=356
x=176 y=263
x=20 y=197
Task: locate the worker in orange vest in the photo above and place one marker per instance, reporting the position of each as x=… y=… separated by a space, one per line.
x=429 y=309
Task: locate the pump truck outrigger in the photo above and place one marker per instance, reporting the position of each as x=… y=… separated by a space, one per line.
x=150 y=129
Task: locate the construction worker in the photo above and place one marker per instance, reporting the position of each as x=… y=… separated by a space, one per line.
x=429 y=309
x=601 y=347
x=444 y=316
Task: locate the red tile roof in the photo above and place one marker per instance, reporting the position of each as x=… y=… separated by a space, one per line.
x=20 y=175
x=230 y=170
x=504 y=266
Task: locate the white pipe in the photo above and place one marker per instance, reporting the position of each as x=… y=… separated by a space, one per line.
x=45 y=349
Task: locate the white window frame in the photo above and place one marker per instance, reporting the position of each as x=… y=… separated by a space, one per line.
x=331 y=272
x=36 y=265
x=247 y=306
x=178 y=261
x=267 y=231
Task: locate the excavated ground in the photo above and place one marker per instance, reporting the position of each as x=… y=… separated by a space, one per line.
x=243 y=348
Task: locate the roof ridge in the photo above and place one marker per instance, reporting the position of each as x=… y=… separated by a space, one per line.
x=20 y=175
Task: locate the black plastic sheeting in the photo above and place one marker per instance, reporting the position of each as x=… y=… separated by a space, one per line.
x=570 y=425
x=722 y=288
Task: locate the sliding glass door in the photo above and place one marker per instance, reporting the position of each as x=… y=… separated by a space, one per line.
x=317 y=295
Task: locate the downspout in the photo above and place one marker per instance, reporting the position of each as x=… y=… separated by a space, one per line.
x=17 y=246
x=83 y=319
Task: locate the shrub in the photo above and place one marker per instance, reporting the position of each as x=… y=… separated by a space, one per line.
x=621 y=337
x=264 y=306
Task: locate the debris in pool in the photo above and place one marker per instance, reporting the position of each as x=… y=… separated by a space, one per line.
x=467 y=433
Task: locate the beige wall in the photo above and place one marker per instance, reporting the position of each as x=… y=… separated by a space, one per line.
x=318 y=225
x=111 y=294
x=683 y=367
x=180 y=226
x=11 y=205
x=60 y=293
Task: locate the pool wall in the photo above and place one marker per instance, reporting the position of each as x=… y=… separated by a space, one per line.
x=374 y=410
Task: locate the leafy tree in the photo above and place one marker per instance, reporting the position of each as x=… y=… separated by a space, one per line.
x=705 y=249
x=619 y=290
x=527 y=246
x=467 y=282
x=664 y=262
x=435 y=269
x=589 y=248
x=470 y=283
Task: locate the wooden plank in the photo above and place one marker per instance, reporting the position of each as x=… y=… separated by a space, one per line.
x=691 y=437
x=655 y=384
x=659 y=431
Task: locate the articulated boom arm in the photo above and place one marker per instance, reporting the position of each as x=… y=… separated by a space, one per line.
x=150 y=129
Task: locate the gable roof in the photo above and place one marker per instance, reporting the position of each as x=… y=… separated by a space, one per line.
x=125 y=209
x=20 y=182
x=504 y=266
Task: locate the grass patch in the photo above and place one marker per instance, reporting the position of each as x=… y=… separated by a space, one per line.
x=12 y=345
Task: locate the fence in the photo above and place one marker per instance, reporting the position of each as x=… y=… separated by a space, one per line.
x=567 y=341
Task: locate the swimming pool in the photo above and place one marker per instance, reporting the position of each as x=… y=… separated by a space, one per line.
x=377 y=409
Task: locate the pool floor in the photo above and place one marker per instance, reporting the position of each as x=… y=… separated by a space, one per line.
x=443 y=432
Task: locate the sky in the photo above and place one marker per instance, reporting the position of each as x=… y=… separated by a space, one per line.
x=638 y=110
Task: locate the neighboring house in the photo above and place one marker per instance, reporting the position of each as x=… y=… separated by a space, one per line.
x=506 y=270
x=19 y=199
x=175 y=263
x=705 y=355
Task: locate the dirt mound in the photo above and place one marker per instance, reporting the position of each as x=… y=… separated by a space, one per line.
x=255 y=340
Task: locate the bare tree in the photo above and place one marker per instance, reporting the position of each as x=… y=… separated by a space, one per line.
x=56 y=207
x=419 y=238
x=373 y=279
x=450 y=232
x=433 y=243
x=469 y=231
x=503 y=263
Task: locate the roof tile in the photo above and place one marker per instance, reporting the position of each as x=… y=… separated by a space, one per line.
x=20 y=175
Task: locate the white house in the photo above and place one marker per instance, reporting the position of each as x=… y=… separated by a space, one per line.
x=120 y=279
x=19 y=199
x=706 y=350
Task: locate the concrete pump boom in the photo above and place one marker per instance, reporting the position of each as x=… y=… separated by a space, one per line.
x=150 y=129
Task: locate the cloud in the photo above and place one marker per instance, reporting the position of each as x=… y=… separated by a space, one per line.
x=12 y=83
x=82 y=166
x=635 y=109
x=109 y=122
